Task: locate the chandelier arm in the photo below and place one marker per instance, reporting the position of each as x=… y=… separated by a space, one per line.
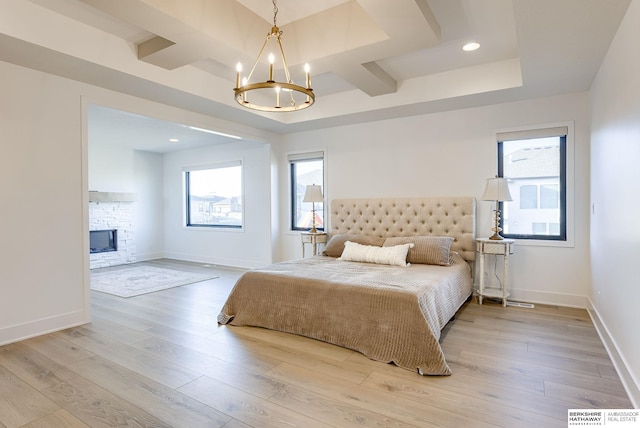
x=255 y=64
x=284 y=61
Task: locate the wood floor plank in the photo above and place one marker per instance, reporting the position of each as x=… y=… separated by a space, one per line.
x=135 y=310
x=134 y=359
x=462 y=400
x=117 y=331
x=295 y=351
x=112 y=310
x=608 y=371
x=534 y=359
x=246 y=407
x=20 y=403
x=32 y=367
x=584 y=398
x=237 y=355
x=97 y=407
x=595 y=355
x=337 y=413
x=58 y=349
x=234 y=423
x=410 y=412
x=59 y=419
x=166 y=404
x=229 y=373
x=286 y=340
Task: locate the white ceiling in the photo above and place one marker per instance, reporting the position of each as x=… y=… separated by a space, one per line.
x=370 y=59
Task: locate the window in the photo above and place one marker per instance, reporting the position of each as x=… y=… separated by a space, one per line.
x=305 y=169
x=214 y=196
x=535 y=164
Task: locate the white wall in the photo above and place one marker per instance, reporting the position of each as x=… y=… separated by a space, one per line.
x=452 y=153
x=615 y=195
x=110 y=166
x=42 y=279
x=249 y=247
x=148 y=179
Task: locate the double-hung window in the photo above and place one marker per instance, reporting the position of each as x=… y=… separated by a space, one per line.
x=305 y=169
x=214 y=195
x=535 y=164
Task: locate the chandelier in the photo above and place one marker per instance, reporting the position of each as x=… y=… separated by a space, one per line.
x=275 y=96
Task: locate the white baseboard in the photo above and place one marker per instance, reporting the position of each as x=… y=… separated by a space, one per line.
x=631 y=385
x=16 y=333
x=149 y=256
x=196 y=258
x=546 y=298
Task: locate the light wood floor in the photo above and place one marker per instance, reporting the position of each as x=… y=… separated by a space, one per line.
x=161 y=360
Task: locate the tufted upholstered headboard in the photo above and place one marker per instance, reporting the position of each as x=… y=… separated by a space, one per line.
x=386 y=217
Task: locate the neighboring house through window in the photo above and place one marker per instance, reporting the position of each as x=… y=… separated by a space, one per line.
x=535 y=164
x=305 y=169
x=213 y=195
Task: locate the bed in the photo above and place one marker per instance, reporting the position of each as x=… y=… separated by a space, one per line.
x=389 y=313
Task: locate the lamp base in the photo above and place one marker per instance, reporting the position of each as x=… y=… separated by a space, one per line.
x=313 y=218
x=496 y=228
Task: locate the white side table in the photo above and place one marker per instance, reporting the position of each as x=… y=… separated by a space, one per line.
x=498 y=248
x=314 y=239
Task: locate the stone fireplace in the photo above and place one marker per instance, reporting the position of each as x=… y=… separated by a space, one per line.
x=112 y=211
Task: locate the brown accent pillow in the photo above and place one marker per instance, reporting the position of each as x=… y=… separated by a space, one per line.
x=335 y=246
x=429 y=250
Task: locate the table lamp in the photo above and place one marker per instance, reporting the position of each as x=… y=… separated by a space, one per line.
x=497 y=189
x=313 y=194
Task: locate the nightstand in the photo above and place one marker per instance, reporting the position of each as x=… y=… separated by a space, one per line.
x=498 y=248
x=314 y=239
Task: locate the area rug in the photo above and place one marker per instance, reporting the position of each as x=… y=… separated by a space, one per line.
x=137 y=280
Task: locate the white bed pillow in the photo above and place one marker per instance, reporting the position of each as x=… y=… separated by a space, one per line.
x=396 y=255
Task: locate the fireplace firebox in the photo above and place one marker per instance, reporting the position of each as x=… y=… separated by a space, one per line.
x=102 y=241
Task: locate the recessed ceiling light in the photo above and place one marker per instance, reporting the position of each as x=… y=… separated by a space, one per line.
x=173 y=140
x=471 y=46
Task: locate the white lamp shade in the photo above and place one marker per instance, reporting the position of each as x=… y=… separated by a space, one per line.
x=313 y=194
x=497 y=189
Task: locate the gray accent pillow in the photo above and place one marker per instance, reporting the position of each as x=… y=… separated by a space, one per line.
x=429 y=250
x=335 y=246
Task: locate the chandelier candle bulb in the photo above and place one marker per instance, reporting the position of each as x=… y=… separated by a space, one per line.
x=271 y=61
x=307 y=69
x=244 y=94
x=239 y=70
x=277 y=96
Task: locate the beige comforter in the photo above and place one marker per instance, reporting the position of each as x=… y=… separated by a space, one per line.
x=388 y=313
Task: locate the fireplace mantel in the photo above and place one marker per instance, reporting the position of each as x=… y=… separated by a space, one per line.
x=95 y=196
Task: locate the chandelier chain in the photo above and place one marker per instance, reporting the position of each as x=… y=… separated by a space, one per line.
x=275 y=12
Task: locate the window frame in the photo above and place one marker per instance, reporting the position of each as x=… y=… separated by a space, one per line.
x=187 y=223
x=293 y=159
x=567 y=210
